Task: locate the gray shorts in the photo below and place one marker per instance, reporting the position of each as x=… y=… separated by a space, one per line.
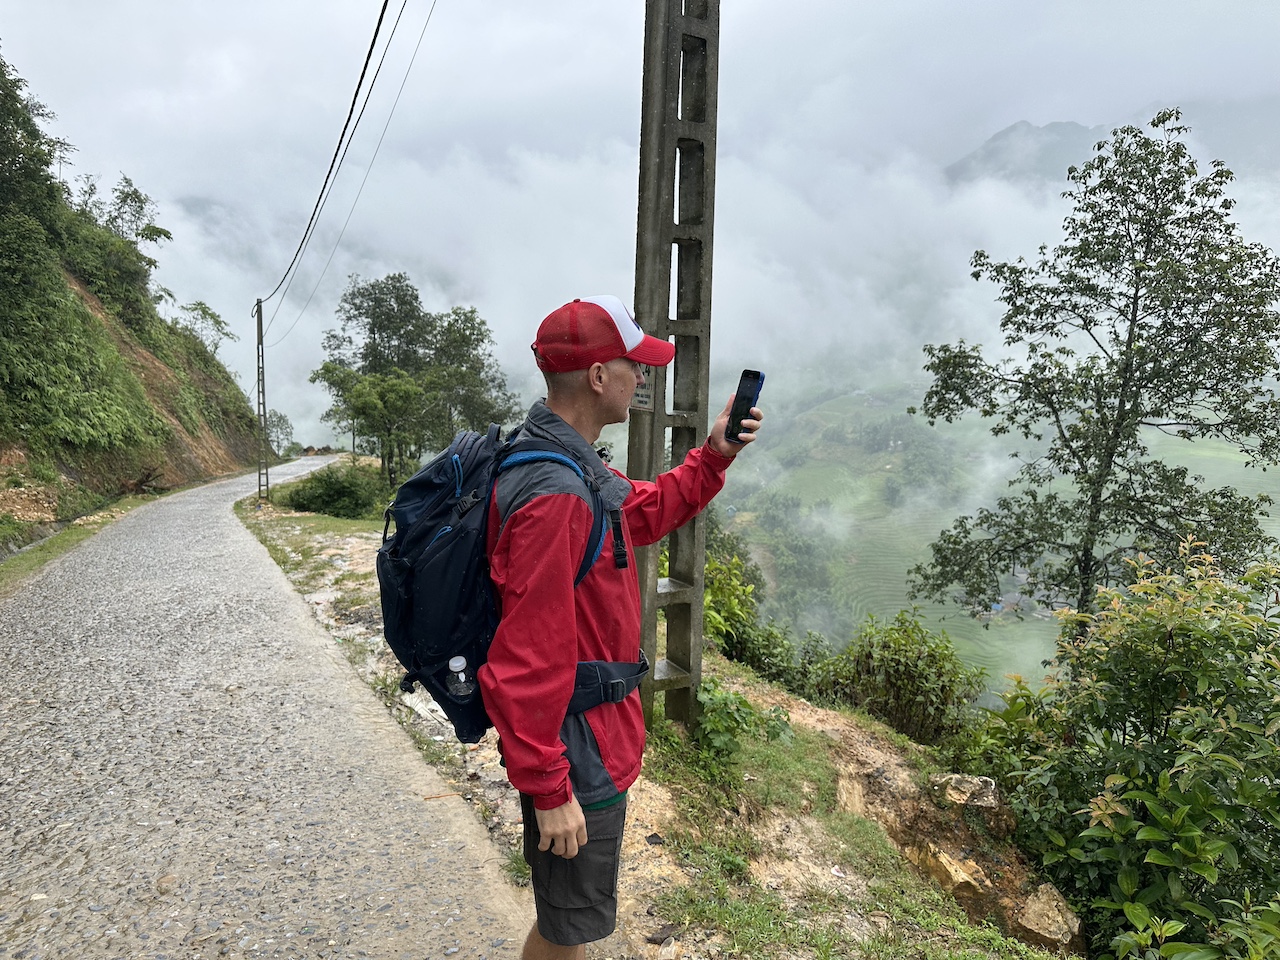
x=577 y=899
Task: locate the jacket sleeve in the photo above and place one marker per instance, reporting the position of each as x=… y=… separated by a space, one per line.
x=528 y=679
x=656 y=508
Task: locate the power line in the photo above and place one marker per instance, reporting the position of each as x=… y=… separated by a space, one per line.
x=325 y=194
x=355 y=97
x=367 y=171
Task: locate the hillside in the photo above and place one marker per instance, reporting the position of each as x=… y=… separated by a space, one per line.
x=844 y=491
x=100 y=392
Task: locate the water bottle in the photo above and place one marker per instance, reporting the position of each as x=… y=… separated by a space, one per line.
x=459 y=682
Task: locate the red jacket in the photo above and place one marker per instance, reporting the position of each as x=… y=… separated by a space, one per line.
x=548 y=625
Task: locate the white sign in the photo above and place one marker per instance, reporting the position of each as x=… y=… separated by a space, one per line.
x=643 y=397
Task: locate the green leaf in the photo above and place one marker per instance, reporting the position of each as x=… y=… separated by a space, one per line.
x=1151 y=833
x=1160 y=858
x=1204 y=913
x=1128 y=881
x=1138 y=915
x=1190 y=951
x=1206 y=870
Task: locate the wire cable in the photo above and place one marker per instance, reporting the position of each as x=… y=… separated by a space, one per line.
x=368 y=170
x=325 y=194
x=337 y=151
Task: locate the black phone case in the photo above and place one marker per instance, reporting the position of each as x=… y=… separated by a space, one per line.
x=741 y=410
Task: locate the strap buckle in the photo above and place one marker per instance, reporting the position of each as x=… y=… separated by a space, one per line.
x=615 y=690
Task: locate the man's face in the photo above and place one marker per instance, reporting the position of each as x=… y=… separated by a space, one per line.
x=622 y=376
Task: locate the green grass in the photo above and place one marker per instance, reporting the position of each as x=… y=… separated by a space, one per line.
x=295 y=541
x=715 y=845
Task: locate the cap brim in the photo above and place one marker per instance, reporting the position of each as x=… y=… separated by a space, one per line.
x=654 y=352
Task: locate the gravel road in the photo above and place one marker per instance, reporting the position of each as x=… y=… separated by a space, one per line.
x=190 y=769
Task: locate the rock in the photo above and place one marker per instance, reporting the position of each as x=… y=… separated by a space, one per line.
x=166 y=884
x=979 y=793
x=664 y=934
x=1047 y=921
x=852 y=797
x=963 y=879
x=421 y=704
x=964 y=790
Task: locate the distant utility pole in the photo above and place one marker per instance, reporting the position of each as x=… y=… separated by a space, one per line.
x=264 y=446
x=676 y=214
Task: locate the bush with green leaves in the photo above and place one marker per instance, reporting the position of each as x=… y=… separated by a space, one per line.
x=63 y=382
x=732 y=624
x=725 y=718
x=904 y=674
x=351 y=491
x=900 y=672
x=1146 y=774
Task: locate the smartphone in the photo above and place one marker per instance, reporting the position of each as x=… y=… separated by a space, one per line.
x=744 y=398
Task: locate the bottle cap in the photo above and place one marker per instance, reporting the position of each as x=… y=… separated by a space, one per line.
x=457 y=664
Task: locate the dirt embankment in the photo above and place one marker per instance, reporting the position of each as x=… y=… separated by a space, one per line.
x=193 y=452
x=187 y=456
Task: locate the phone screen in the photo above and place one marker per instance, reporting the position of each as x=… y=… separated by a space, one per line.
x=744 y=399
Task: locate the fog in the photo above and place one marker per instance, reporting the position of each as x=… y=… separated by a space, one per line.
x=507 y=178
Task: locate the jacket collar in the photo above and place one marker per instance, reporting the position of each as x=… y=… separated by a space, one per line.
x=544 y=424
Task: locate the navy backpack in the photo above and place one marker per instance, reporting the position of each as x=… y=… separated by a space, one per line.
x=433 y=575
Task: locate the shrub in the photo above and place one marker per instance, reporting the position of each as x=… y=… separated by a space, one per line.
x=1145 y=774
x=905 y=675
x=900 y=672
x=729 y=607
x=352 y=492
x=726 y=717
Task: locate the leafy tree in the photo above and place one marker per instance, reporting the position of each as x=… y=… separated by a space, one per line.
x=383 y=326
x=390 y=406
x=111 y=264
x=132 y=214
x=207 y=324
x=387 y=343
x=465 y=386
x=279 y=430
x=1153 y=316
x=340 y=381
x=26 y=186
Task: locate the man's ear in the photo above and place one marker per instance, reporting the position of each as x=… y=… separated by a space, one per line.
x=596 y=377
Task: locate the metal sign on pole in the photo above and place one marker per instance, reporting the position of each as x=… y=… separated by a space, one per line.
x=673 y=241
x=264 y=445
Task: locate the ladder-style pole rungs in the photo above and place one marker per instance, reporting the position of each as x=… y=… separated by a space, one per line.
x=668 y=676
x=674 y=592
x=682 y=418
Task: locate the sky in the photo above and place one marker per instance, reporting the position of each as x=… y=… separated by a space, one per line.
x=507 y=176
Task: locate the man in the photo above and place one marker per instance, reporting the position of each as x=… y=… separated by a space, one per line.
x=573 y=769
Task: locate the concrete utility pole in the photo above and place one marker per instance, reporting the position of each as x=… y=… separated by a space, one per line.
x=677 y=205
x=264 y=445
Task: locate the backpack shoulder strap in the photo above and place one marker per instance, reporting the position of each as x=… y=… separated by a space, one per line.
x=543 y=451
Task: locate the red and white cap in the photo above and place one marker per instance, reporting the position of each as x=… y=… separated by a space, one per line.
x=595 y=330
